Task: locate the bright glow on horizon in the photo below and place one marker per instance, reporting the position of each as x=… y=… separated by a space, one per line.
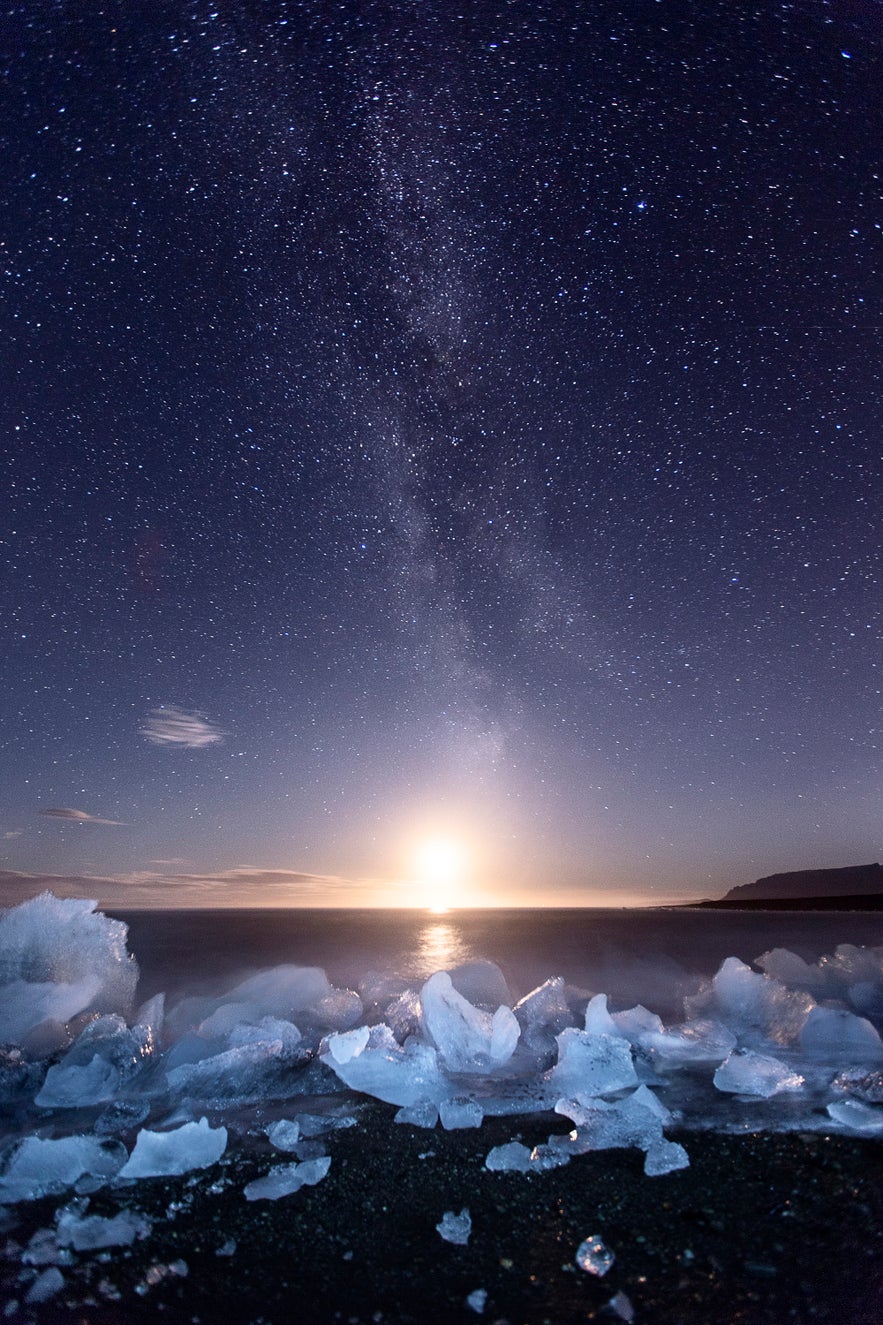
x=440 y=866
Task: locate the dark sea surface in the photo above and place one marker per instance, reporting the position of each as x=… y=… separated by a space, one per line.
x=650 y=956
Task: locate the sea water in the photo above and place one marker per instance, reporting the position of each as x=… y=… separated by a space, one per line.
x=136 y=1043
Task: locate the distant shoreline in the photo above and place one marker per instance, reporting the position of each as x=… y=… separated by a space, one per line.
x=855 y=902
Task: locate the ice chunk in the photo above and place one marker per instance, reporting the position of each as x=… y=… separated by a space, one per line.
x=467 y=1039
x=621 y=1305
x=269 y=1030
x=260 y=1070
x=858 y=1117
x=45 y=1286
x=191 y=1146
x=121 y=1116
x=748 y=1073
x=287 y=1178
x=543 y=1014
x=748 y=1001
x=594 y=1064
x=460 y=1111
x=594 y=1256
x=106 y=1055
x=545 y=1157
x=383 y=1068
x=70 y=1085
x=477 y=1300
x=424 y=1114
x=455 y=1228
x=348 y=1044
x=510 y=1158
x=284 y=1134
x=60 y=957
x=481 y=983
x=598 y=1019
x=316 y=1124
x=38 y=1167
x=634 y=1023
x=402 y=1015
x=833 y=1034
x=603 y=1126
x=665 y=1157
x=700 y=1041
x=91 y=1232
x=866 y=1085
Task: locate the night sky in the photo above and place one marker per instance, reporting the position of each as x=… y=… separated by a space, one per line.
x=436 y=421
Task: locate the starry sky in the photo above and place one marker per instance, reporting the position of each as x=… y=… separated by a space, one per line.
x=436 y=420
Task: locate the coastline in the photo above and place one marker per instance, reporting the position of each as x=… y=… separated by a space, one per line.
x=761 y=1228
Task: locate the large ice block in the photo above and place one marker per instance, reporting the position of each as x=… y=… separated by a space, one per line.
x=596 y=1064
x=467 y=1038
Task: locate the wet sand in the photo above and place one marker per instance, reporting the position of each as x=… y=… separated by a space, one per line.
x=761 y=1228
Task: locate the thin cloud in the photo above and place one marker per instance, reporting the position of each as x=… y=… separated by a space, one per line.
x=174 y=726
x=76 y=816
x=13 y=832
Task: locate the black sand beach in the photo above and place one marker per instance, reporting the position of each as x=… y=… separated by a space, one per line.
x=760 y=1228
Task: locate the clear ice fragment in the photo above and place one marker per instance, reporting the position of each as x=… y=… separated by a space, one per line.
x=460 y=1112
x=287 y=1178
x=510 y=1158
x=477 y=1300
x=422 y=1114
x=594 y=1064
x=191 y=1146
x=594 y=1256
x=455 y=1228
x=748 y=1073
x=38 y=1166
x=665 y=1157
x=45 y=1286
x=620 y=1305
x=858 y=1117
x=284 y=1134
x=92 y=1232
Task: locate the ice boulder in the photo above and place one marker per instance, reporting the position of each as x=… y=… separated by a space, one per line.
x=378 y=1065
x=748 y=1073
x=467 y=1038
x=191 y=1146
x=594 y=1064
x=749 y=1002
x=60 y=957
x=39 y=1166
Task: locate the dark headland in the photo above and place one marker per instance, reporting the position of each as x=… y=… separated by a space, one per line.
x=851 y=888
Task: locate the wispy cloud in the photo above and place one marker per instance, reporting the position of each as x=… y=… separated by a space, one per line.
x=76 y=816
x=242 y=886
x=174 y=726
x=13 y=832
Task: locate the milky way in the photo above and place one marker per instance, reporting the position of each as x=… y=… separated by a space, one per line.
x=418 y=419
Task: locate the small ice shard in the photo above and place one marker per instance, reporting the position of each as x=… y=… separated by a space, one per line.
x=593 y=1064
x=38 y=1167
x=92 y=1232
x=698 y=1041
x=745 y=1072
x=477 y=1300
x=460 y=1112
x=383 y=1068
x=467 y=1038
x=284 y=1134
x=665 y=1157
x=833 y=1034
x=191 y=1146
x=543 y=1014
x=858 y=1117
x=620 y=1304
x=455 y=1228
x=227 y=1248
x=287 y=1178
x=317 y=1124
x=510 y=1158
x=422 y=1114
x=45 y=1286
x=594 y=1256
x=598 y=1019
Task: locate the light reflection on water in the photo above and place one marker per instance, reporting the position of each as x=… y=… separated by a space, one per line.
x=440 y=945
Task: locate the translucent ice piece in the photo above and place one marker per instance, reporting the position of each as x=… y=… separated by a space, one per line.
x=45 y=1286
x=636 y=1022
x=510 y=1158
x=287 y=1178
x=460 y=1112
x=477 y=1300
x=594 y=1256
x=700 y=1041
x=38 y=1167
x=284 y=1134
x=383 y=1068
x=748 y=1073
x=455 y=1228
x=620 y=1305
x=598 y=1019
x=594 y=1064
x=834 y=1035
x=861 y=1118
x=424 y=1114
x=253 y=1071
x=467 y=1039
x=748 y=1001
x=543 y=1014
x=191 y=1146
x=665 y=1157
x=91 y=1232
